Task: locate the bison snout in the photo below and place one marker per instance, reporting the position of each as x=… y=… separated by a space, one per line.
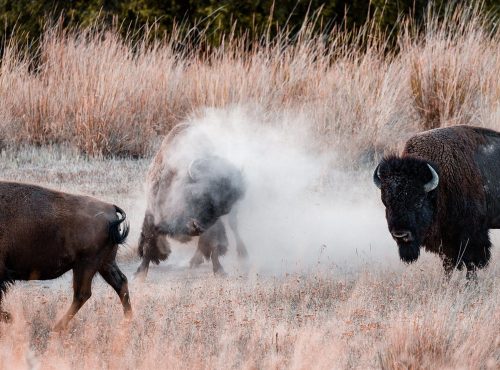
x=402 y=235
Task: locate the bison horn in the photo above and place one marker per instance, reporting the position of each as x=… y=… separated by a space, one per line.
x=431 y=185
x=376 y=177
x=190 y=170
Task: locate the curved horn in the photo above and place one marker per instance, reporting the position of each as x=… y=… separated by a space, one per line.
x=431 y=185
x=190 y=172
x=376 y=177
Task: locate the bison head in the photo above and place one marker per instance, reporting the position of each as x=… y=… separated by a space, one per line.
x=408 y=188
x=211 y=187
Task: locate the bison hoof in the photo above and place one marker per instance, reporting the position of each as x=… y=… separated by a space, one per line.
x=127 y=320
x=195 y=262
x=220 y=272
x=242 y=254
x=60 y=326
x=5 y=317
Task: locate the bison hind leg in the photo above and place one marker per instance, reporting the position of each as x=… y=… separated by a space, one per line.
x=82 y=290
x=4 y=315
x=118 y=281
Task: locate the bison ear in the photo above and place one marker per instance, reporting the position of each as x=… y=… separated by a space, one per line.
x=433 y=183
x=376 y=177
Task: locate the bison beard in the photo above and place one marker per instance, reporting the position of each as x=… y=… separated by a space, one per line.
x=409 y=253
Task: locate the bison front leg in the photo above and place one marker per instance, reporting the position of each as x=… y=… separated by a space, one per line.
x=153 y=247
x=142 y=270
x=114 y=277
x=197 y=258
x=449 y=265
x=82 y=291
x=213 y=243
x=217 y=267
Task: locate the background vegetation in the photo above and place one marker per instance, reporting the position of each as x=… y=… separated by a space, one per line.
x=103 y=93
x=218 y=18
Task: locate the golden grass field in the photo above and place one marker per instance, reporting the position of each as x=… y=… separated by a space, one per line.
x=90 y=117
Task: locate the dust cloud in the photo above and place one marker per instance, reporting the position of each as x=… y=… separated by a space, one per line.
x=301 y=211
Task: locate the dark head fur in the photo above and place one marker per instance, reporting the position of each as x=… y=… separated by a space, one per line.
x=408 y=191
x=211 y=188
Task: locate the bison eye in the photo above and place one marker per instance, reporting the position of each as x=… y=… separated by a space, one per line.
x=419 y=203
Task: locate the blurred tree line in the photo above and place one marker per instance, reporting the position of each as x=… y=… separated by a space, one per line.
x=28 y=17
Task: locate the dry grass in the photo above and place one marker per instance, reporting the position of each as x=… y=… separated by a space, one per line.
x=374 y=319
x=104 y=95
x=375 y=316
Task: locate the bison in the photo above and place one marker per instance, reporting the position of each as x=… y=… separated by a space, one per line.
x=443 y=193
x=188 y=191
x=45 y=233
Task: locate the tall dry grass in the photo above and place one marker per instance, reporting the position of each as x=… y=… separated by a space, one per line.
x=382 y=317
x=106 y=95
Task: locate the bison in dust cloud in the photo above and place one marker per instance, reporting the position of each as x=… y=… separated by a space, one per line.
x=189 y=189
x=45 y=233
x=443 y=193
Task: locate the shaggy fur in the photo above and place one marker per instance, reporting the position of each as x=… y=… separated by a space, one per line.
x=454 y=219
x=217 y=185
x=45 y=233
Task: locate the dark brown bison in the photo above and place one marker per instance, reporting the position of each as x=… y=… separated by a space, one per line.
x=189 y=189
x=45 y=233
x=443 y=193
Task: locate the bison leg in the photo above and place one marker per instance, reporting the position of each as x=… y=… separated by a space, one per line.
x=142 y=270
x=240 y=246
x=114 y=277
x=449 y=265
x=471 y=274
x=217 y=267
x=82 y=290
x=153 y=247
x=213 y=243
x=4 y=283
x=476 y=254
x=4 y=315
x=197 y=258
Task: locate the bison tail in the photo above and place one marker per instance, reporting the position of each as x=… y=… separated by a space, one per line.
x=118 y=234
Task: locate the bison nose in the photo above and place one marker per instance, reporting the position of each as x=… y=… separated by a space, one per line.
x=195 y=227
x=404 y=235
